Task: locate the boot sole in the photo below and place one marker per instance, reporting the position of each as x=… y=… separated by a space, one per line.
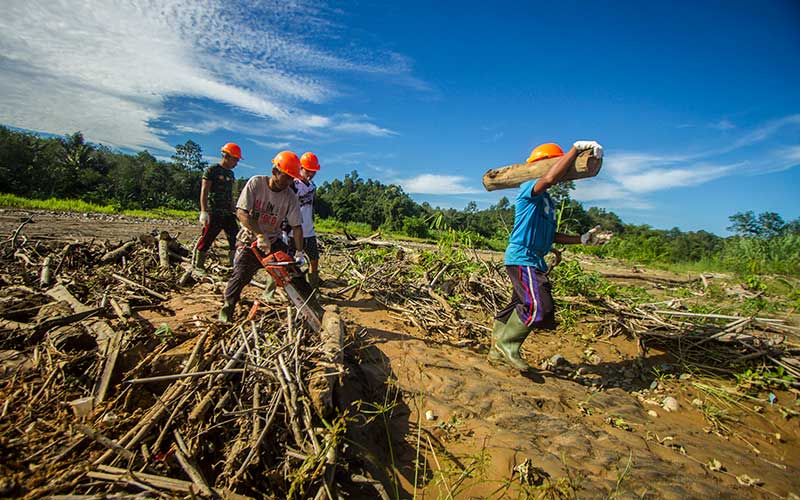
x=506 y=361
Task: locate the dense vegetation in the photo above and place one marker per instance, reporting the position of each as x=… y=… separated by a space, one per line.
x=71 y=168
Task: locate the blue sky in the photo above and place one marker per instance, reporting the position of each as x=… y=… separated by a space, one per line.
x=696 y=103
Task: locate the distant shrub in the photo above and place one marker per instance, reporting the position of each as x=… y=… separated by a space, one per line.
x=416 y=227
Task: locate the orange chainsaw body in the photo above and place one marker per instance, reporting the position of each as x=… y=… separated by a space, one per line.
x=287 y=274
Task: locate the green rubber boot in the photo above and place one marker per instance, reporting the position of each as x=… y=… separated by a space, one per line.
x=510 y=341
x=199 y=259
x=497 y=330
x=226 y=313
x=268 y=295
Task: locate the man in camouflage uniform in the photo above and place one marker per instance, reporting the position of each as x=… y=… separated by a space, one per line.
x=217 y=211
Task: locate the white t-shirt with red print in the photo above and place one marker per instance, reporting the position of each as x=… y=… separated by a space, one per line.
x=269 y=207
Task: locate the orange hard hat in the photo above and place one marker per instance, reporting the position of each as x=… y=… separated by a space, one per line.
x=288 y=163
x=542 y=151
x=309 y=161
x=233 y=150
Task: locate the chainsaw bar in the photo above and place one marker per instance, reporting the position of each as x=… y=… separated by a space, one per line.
x=287 y=275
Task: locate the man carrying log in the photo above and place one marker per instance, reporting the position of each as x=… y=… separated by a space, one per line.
x=217 y=212
x=533 y=235
x=263 y=204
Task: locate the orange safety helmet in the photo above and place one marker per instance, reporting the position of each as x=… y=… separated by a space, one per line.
x=309 y=161
x=233 y=150
x=288 y=163
x=542 y=151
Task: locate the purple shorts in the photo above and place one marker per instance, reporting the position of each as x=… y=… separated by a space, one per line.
x=532 y=297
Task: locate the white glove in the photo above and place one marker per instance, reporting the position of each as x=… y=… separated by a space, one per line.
x=596 y=237
x=300 y=258
x=597 y=149
x=204 y=218
x=263 y=244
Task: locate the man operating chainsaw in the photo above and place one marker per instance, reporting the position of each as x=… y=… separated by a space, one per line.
x=263 y=204
x=534 y=233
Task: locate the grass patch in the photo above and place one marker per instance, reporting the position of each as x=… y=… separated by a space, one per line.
x=80 y=206
x=12 y=201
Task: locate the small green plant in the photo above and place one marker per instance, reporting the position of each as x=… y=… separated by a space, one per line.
x=755 y=283
x=716 y=416
x=369 y=256
x=570 y=279
x=618 y=423
x=455 y=300
x=164 y=333
x=384 y=410
x=621 y=477
x=762 y=379
x=660 y=374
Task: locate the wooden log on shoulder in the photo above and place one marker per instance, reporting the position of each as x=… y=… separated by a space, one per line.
x=511 y=176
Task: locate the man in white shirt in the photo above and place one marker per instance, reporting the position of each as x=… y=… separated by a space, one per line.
x=263 y=204
x=306 y=191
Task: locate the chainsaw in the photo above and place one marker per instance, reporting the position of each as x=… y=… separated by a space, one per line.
x=287 y=275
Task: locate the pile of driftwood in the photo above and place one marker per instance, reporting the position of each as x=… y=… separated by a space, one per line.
x=97 y=401
x=717 y=342
x=420 y=286
x=447 y=295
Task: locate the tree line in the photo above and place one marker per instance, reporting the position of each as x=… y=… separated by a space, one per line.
x=70 y=167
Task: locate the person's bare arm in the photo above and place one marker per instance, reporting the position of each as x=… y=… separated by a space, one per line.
x=567 y=239
x=593 y=236
x=205 y=187
x=297 y=234
x=555 y=173
x=249 y=223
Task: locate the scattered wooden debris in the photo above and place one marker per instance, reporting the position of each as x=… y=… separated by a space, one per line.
x=238 y=417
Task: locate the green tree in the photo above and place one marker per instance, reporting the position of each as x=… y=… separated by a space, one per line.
x=767 y=225
x=190 y=156
x=744 y=224
x=770 y=225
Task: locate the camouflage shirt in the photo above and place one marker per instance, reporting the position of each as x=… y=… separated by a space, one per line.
x=220 y=193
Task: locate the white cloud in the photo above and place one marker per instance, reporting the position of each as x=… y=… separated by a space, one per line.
x=272 y=145
x=109 y=68
x=362 y=127
x=765 y=131
x=612 y=195
x=436 y=184
x=723 y=124
x=792 y=153
x=662 y=178
x=628 y=176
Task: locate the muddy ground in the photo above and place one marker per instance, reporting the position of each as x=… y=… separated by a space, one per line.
x=455 y=426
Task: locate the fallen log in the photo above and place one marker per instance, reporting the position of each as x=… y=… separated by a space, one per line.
x=511 y=176
x=163 y=249
x=137 y=285
x=323 y=379
x=117 y=253
x=46 y=275
x=109 y=362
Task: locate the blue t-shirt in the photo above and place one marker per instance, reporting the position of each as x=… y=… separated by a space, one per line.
x=534 y=229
